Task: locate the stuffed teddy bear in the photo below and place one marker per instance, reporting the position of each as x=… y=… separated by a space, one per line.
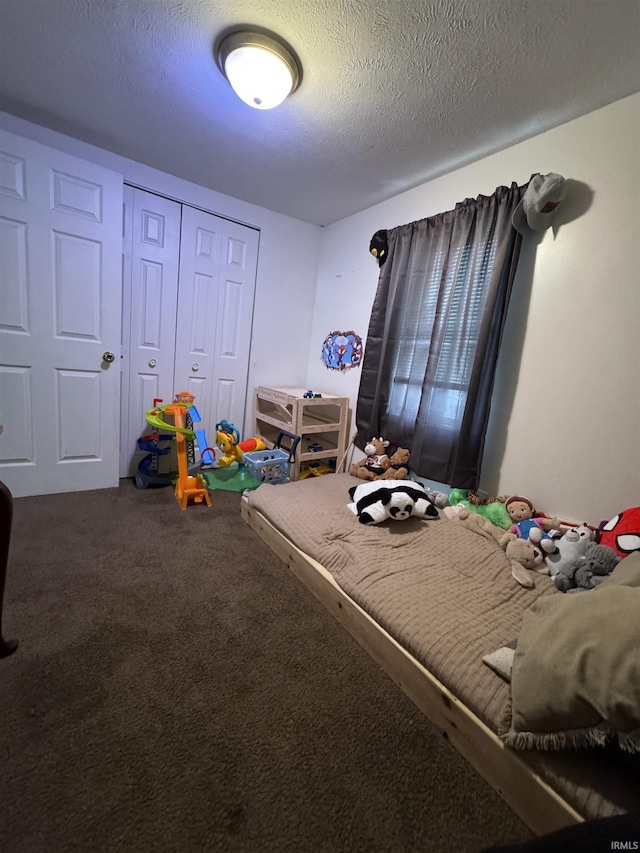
x=587 y=570
x=375 y=463
x=523 y=555
x=395 y=499
x=398 y=466
x=570 y=545
x=528 y=525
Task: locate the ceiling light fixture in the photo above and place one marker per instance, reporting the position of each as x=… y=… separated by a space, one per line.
x=262 y=69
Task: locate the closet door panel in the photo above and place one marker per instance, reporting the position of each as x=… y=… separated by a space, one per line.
x=218 y=262
x=235 y=315
x=154 y=252
x=200 y=254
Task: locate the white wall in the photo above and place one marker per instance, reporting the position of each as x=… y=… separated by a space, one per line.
x=287 y=261
x=565 y=424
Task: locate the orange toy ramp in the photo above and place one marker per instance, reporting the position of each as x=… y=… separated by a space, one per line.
x=188 y=488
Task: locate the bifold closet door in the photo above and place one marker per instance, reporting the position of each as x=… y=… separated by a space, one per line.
x=189 y=284
x=151 y=251
x=218 y=260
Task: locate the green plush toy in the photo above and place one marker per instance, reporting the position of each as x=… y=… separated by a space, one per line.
x=494 y=511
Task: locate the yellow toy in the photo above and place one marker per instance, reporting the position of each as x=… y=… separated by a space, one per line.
x=315 y=470
x=230 y=447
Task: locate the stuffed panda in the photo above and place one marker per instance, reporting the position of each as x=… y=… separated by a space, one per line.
x=377 y=501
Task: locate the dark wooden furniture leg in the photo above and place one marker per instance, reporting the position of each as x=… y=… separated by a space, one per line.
x=7 y=647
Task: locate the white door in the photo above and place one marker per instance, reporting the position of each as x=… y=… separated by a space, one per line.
x=151 y=251
x=60 y=312
x=189 y=284
x=218 y=260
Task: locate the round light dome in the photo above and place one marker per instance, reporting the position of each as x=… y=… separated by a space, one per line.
x=261 y=68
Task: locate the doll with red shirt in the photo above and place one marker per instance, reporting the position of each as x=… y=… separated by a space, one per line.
x=527 y=524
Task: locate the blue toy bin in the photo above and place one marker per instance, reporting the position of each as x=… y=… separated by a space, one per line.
x=272 y=466
x=268 y=466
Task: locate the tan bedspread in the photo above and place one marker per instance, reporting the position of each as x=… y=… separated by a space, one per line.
x=443 y=591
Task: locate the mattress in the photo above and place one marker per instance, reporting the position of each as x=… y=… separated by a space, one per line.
x=446 y=594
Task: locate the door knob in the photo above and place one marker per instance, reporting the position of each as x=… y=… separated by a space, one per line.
x=108 y=357
x=152 y=362
x=194 y=367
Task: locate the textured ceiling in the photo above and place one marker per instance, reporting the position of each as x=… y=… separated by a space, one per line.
x=393 y=93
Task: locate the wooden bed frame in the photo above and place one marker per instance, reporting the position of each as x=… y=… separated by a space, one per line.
x=530 y=797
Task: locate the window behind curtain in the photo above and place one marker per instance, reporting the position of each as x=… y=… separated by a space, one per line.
x=434 y=336
x=461 y=293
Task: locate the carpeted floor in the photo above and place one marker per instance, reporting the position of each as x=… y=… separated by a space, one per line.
x=177 y=689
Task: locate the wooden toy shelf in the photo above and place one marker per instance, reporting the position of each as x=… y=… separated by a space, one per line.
x=319 y=421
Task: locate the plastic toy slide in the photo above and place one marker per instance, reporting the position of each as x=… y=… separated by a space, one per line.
x=205 y=453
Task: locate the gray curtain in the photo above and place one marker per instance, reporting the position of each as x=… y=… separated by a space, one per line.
x=434 y=335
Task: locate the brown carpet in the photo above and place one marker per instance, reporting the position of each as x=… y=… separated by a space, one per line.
x=177 y=689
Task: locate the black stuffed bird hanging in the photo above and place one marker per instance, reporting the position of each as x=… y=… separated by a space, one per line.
x=378 y=246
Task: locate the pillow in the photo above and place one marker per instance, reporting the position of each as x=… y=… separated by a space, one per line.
x=376 y=501
x=576 y=669
x=501 y=661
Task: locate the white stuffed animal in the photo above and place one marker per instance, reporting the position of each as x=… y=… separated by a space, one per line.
x=572 y=544
x=396 y=499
